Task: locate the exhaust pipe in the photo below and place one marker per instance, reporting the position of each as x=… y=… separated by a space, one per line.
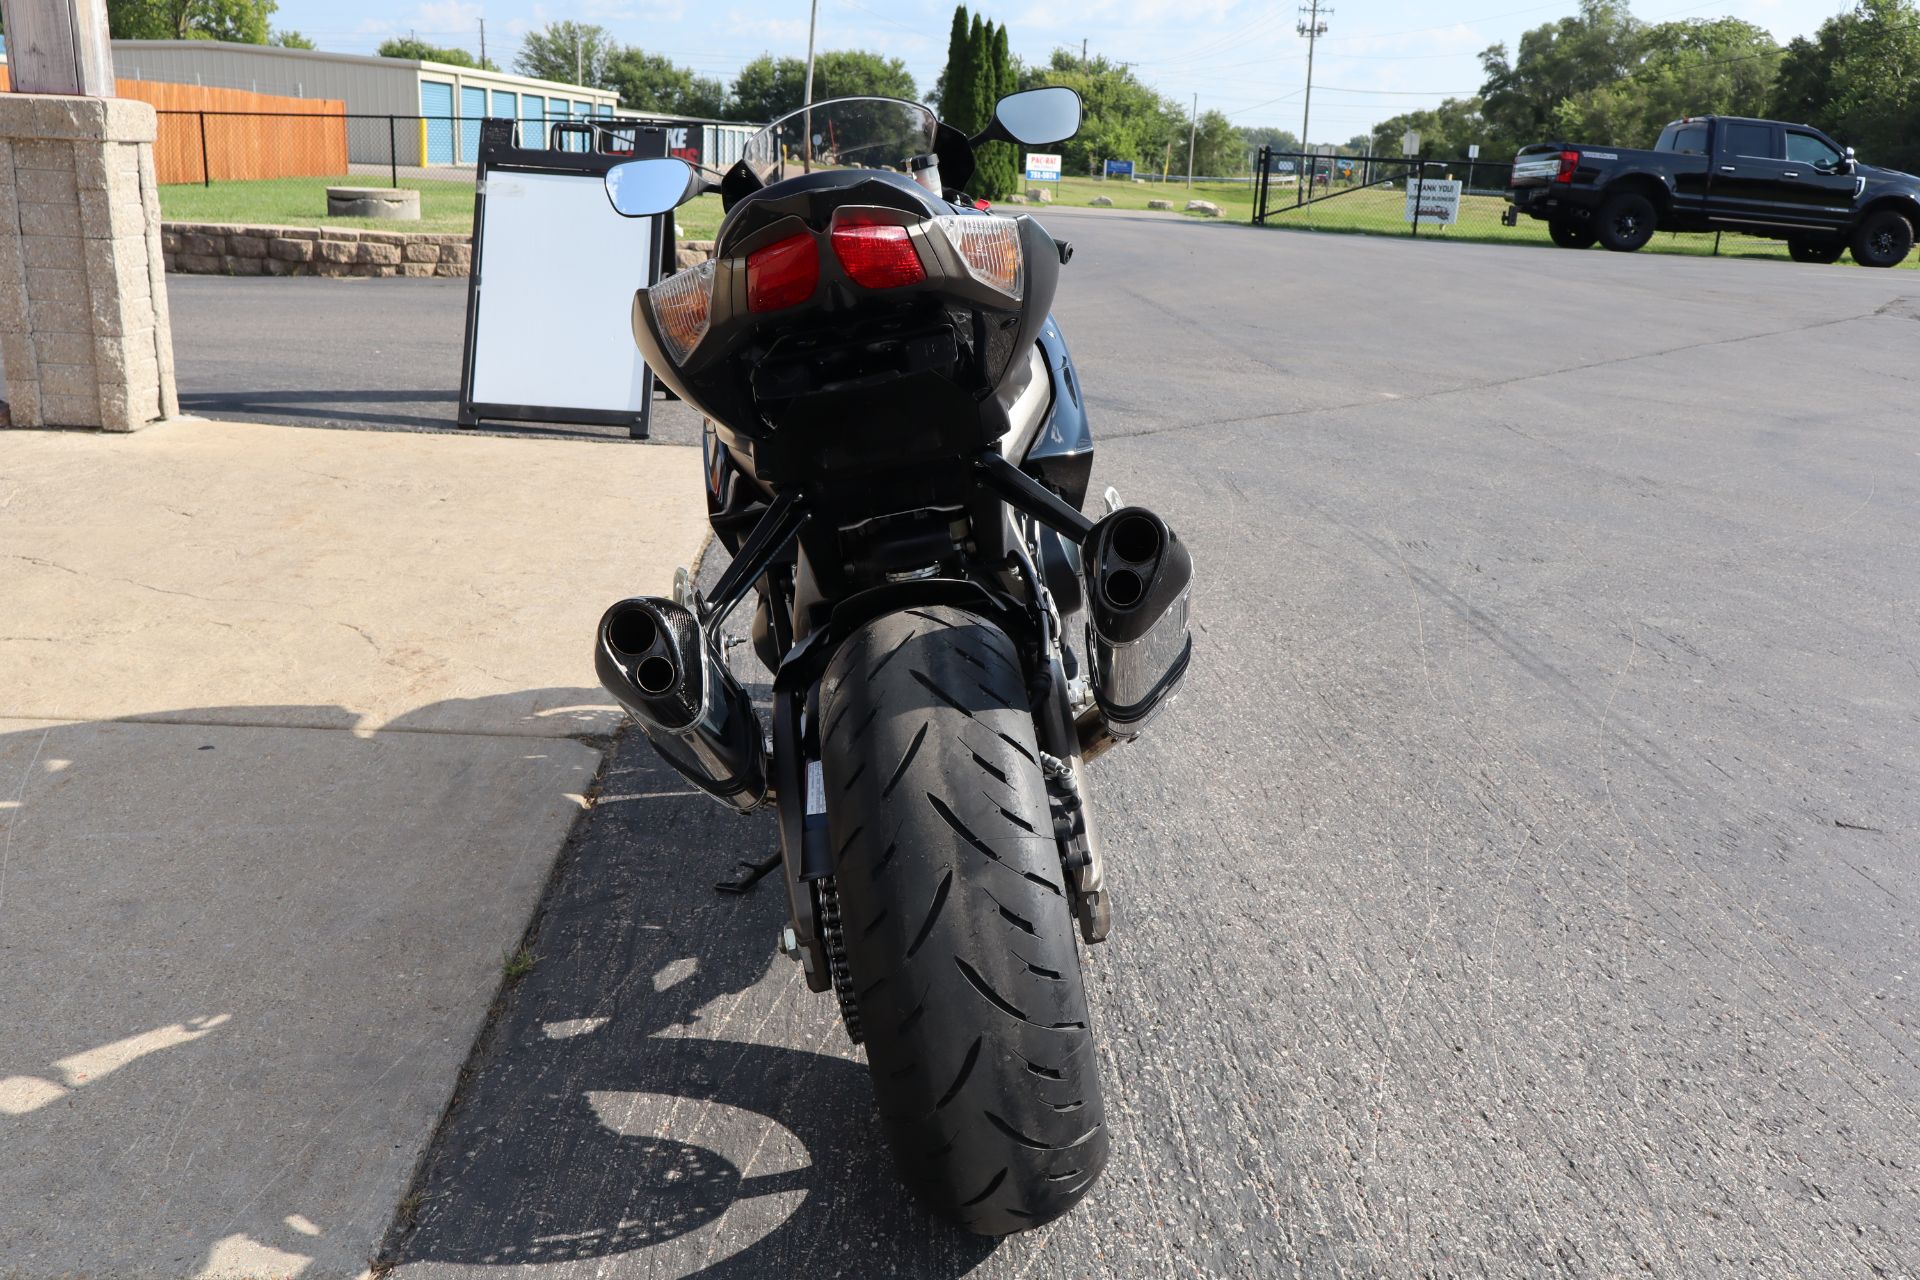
x=658 y=662
x=1139 y=581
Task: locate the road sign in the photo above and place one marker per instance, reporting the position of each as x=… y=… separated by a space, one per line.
x=1410 y=143
x=1473 y=151
x=1438 y=201
x=1042 y=168
x=1119 y=168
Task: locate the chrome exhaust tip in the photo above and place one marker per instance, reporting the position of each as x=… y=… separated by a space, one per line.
x=659 y=663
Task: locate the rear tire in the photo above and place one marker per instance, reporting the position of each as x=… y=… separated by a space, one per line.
x=958 y=933
x=1626 y=222
x=1569 y=234
x=1883 y=239
x=1804 y=249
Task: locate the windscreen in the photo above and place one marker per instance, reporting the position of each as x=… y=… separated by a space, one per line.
x=846 y=133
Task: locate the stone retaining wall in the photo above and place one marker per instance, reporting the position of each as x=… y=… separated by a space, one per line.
x=226 y=249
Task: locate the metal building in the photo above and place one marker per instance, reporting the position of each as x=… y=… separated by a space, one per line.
x=439 y=107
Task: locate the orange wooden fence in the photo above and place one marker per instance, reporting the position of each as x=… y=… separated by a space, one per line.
x=288 y=138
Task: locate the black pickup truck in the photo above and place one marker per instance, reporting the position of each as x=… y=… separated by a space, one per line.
x=1718 y=173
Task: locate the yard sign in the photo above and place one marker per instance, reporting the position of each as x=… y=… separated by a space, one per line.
x=1438 y=200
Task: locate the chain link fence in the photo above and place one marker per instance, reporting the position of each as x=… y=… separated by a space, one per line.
x=1435 y=199
x=274 y=168
x=1380 y=195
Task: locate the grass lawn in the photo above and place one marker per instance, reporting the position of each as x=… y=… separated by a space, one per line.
x=1235 y=199
x=302 y=202
x=448 y=206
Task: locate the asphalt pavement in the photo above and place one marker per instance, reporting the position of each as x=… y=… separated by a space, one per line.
x=365 y=354
x=1524 y=885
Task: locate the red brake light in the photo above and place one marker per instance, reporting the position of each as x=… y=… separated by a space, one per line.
x=782 y=274
x=1569 y=161
x=877 y=256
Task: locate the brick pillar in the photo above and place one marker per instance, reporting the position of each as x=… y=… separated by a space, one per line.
x=84 y=329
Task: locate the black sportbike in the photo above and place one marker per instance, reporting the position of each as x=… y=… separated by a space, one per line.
x=897 y=457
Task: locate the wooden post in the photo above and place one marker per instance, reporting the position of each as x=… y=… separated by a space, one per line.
x=59 y=46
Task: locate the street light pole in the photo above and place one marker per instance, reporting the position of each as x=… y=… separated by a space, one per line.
x=813 y=21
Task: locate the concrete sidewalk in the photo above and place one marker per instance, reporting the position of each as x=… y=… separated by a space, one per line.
x=292 y=724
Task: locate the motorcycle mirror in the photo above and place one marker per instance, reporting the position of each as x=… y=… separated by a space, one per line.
x=1036 y=117
x=642 y=188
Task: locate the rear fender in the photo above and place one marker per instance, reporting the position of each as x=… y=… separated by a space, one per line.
x=1658 y=189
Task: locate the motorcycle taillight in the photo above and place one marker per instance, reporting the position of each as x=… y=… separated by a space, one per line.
x=991 y=249
x=783 y=274
x=876 y=255
x=683 y=305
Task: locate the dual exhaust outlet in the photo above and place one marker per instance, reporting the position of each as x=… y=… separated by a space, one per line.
x=1139 y=584
x=661 y=664
x=658 y=662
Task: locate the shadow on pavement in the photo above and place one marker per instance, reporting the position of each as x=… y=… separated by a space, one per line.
x=329 y=406
x=636 y=1098
x=245 y=951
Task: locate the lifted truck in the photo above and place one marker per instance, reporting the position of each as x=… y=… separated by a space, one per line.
x=1719 y=173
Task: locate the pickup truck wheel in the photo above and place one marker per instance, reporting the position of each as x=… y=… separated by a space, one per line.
x=1626 y=222
x=1569 y=234
x=1801 y=249
x=1883 y=239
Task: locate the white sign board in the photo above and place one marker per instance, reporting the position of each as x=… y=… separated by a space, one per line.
x=1042 y=168
x=1473 y=151
x=1410 y=143
x=1438 y=201
x=558 y=270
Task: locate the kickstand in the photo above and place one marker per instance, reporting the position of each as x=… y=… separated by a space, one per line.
x=753 y=873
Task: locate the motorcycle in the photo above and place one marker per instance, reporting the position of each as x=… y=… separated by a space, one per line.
x=897 y=458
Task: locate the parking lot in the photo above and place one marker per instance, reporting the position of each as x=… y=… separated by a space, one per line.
x=1525 y=883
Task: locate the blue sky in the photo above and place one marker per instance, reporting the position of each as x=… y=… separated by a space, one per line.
x=1380 y=57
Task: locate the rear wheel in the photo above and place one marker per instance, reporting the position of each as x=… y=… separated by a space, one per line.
x=1883 y=239
x=1805 y=249
x=1626 y=222
x=1569 y=234
x=958 y=936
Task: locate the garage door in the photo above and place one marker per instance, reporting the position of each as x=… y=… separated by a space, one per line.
x=473 y=109
x=506 y=106
x=533 y=121
x=436 y=104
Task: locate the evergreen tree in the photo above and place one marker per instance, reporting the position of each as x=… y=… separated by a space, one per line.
x=1004 y=166
x=979 y=78
x=955 y=72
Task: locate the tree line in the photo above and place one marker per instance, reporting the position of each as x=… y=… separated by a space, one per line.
x=235 y=21
x=1603 y=76
x=767 y=87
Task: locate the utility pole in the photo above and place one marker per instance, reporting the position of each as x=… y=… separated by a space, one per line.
x=806 y=90
x=1312 y=28
x=483 y=42
x=1193 y=134
x=1083 y=51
